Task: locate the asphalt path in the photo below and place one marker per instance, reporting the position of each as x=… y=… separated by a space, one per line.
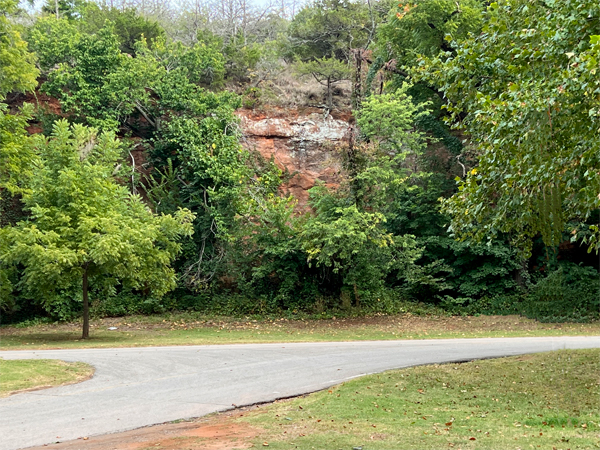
x=136 y=387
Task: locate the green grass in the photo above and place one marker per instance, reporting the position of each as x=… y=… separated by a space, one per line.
x=189 y=329
x=547 y=401
x=18 y=375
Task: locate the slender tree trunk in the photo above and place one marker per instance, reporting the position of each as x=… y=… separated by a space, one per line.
x=521 y=275
x=357 y=90
x=56 y=6
x=86 y=305
x=329 y=95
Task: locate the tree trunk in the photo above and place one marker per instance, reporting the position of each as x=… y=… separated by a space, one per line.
x=56 y=7
x=357 y=90
x=521 y=275
x=86 y=305
x=329 y=94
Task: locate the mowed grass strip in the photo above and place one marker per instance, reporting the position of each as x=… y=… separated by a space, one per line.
x=547 y=400
x=21 y=375
x=195 y=329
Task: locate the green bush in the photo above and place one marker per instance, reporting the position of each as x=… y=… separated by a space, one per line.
x=569 y=293
x=251 y=98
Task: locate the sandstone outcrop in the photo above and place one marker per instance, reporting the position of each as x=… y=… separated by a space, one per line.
x=301 y=141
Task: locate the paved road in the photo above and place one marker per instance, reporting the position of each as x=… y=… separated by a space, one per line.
x=134 y=387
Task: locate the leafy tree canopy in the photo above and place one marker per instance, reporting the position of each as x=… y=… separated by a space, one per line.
x=102 y=86
x=129 y=26
x=528 y=85
x=326 y=71
x=86 y=228
x=389 y=119
x=89 y=17
x=17 y=70
x=16 y=152
x=427 y=27
x=329 y=29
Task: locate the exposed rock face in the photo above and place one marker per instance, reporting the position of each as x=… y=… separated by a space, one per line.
x=301 y=141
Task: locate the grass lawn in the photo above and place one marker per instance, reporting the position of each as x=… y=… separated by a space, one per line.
x=547 y=401
x=19 y=375
x=189 y=328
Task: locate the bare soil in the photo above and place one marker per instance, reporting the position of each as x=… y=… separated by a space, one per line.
x=215 y=432
x=406 y=322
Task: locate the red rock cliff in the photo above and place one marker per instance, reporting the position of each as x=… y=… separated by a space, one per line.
x=301 y=141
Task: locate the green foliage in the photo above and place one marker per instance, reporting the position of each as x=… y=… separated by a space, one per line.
x=82 y=223
x=389 y=119
x=78 y=66
x=569 y=293
x=241 y=58
x=16 y=153
x=17 y=70
x=129 y=26
x=347 y=234
x=471 y=271
x=99 y=85
x=423 y=28
x=17 y=160
x=269 y=263
x=326 y=71
x=129 y=302
x=54 y=41
x=68 y=9
x=207 y=171
x=346 y=240
x=252 y=98
x=527 y=82
x=329 y=29
x=528 y=86
x=427 y=27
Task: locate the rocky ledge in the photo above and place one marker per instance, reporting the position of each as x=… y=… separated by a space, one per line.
x=302 y=141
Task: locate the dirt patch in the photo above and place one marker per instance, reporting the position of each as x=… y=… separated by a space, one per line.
x=216 y=432
x=406 y=323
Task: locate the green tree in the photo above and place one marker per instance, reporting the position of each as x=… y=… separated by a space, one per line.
x=329 y=29
x=352 y=243
x=77 y=67
x=427 y=28
x=526 y=90
x=390 y=120
x=16 y=152
x=99 y=85
x=327 y=71
x=348 y=231
x=17 y=69
x=69 y=9
x=85 y=229
x=129 y=26
x=326 y=34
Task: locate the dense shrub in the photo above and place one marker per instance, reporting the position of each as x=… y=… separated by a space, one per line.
x=569 y=293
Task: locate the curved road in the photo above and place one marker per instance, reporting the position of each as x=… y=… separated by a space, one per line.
x=135 y=387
